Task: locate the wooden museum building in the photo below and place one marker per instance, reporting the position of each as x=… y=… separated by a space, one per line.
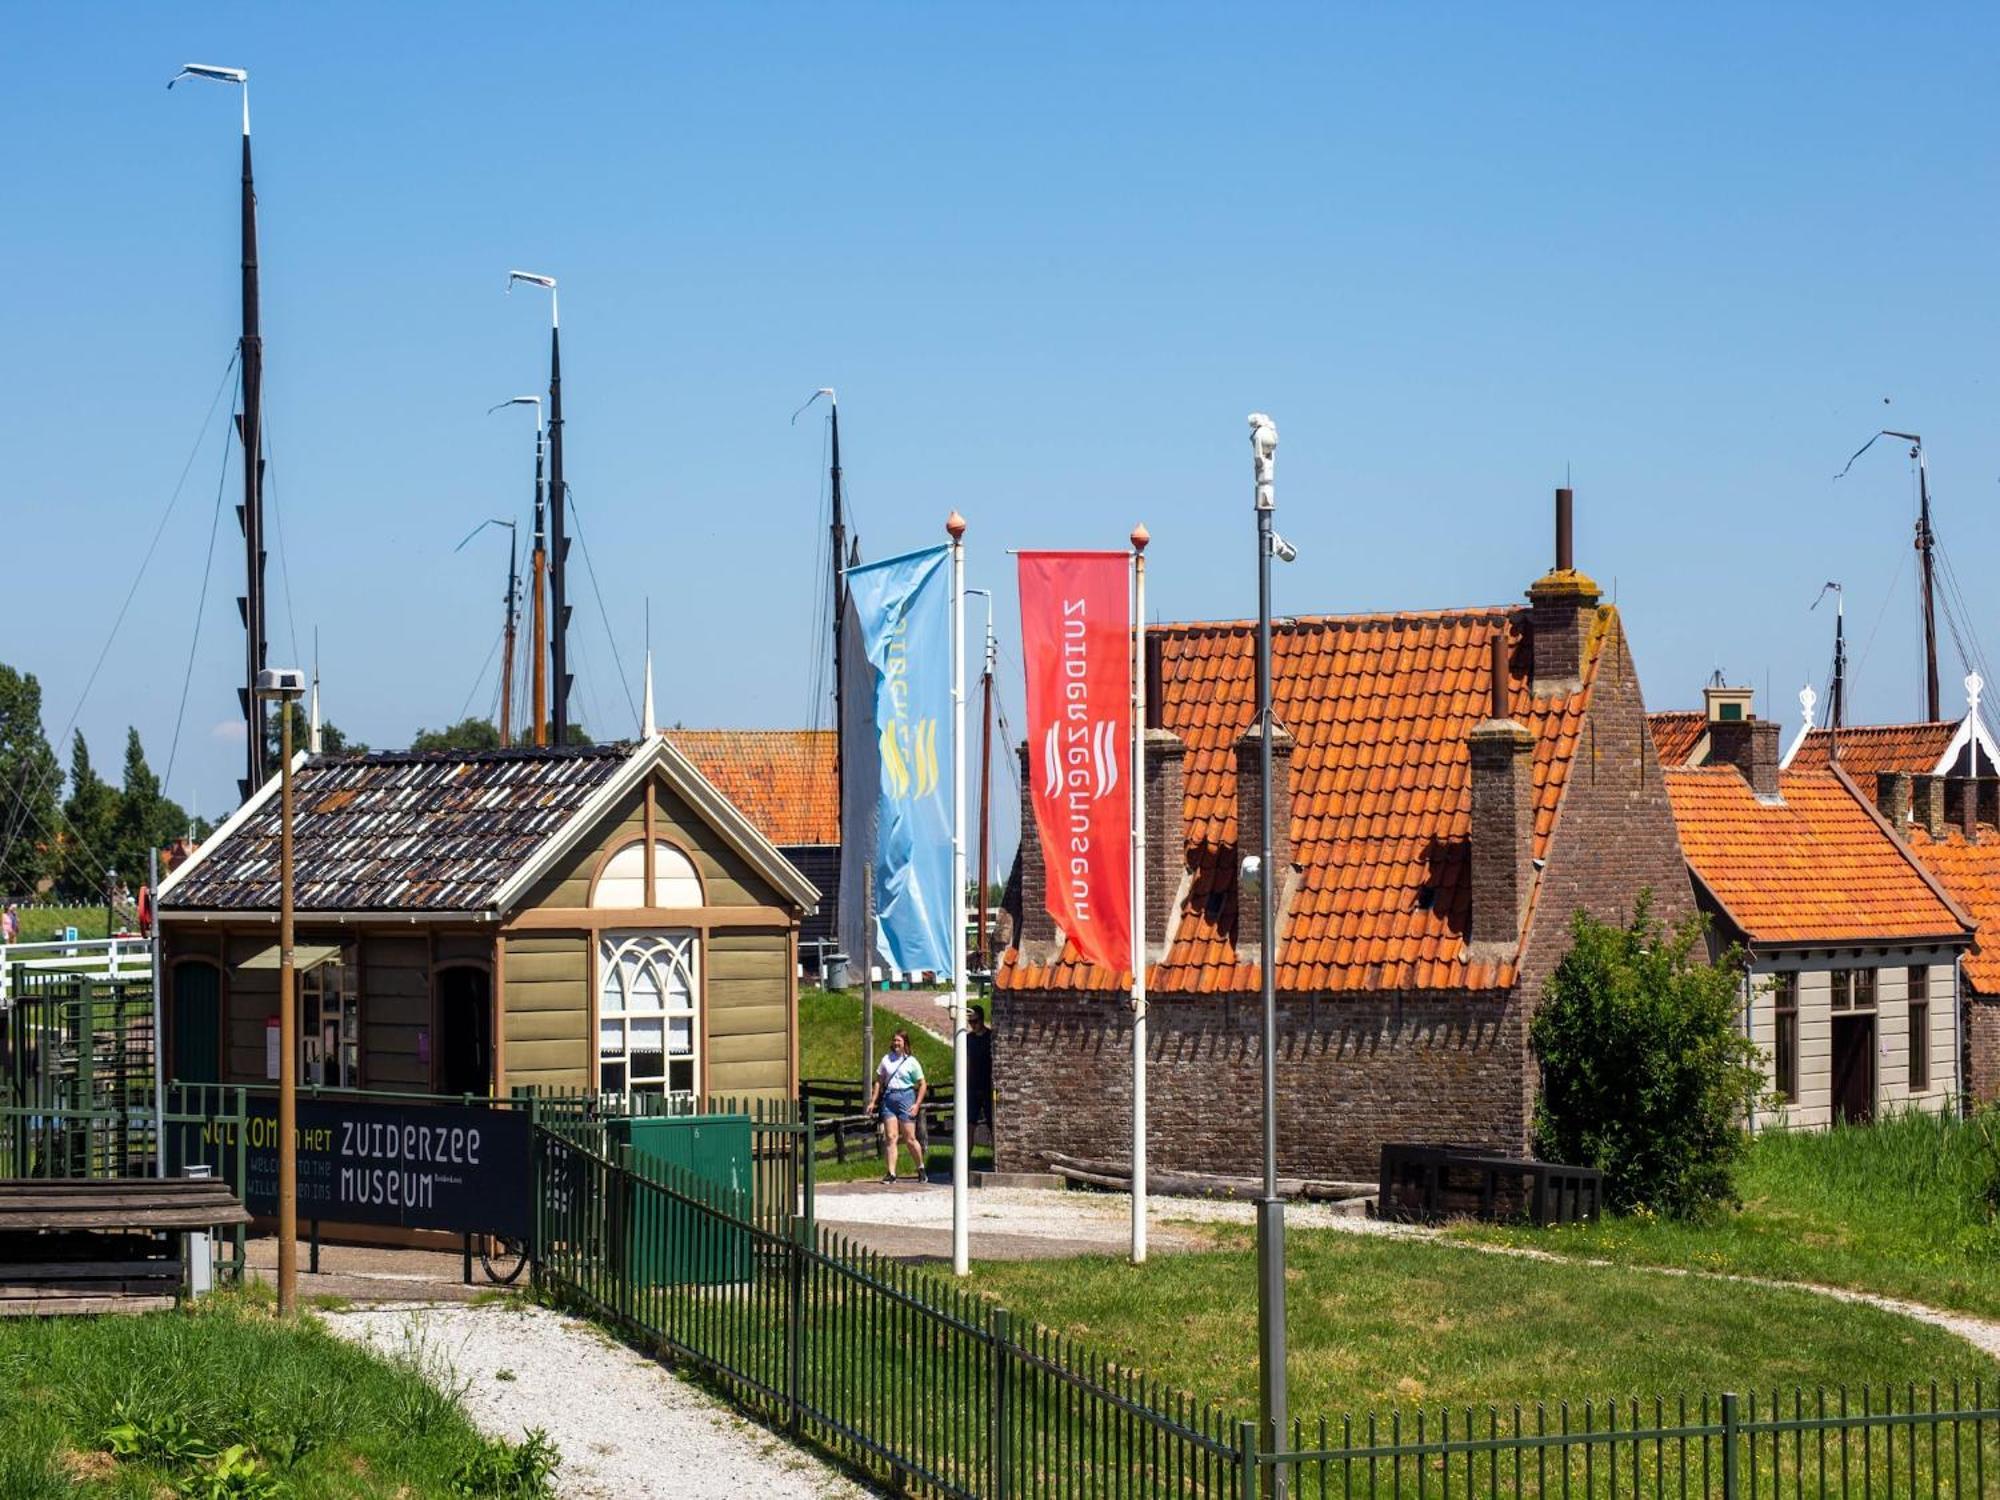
x=587 y=917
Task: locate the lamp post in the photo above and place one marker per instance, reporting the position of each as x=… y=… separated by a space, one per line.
x=1273 y=1398
x=287 y=685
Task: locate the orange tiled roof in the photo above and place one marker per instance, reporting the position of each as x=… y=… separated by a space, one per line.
x=1814 y=868
x=1971 y=873
x=781 y=779
x=1676 y=731
x=1379 y=707
x=1868 y=748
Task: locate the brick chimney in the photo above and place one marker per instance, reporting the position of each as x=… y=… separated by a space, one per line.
x=1249 y=830
x=1036 y=935
x=1892 y=800
x=1503 y=813
x=1927 y=805
x=1989 y=801
x=1166 y=836
x=1750 y=745
x=1961 y=806
x=1562 y=608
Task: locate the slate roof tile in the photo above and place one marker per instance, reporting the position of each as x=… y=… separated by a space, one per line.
x=401 y=831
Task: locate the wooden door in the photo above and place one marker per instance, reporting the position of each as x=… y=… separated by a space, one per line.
x=197 y=1039
x=1854 y=1069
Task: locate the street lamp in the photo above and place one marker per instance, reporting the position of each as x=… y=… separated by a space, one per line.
x=287 y=685
x=1273 y=1399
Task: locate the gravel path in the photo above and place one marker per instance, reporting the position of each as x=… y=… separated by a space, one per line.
x=625 y=1427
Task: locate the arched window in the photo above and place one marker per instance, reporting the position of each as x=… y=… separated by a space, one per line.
x=623 y=880
x=647 y=1003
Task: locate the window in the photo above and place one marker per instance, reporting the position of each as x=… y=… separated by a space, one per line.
x=330 y=1024
x=623 y=879
x=1853 y=989
x=646 y=1003
x=1920 y=1028
x=1785 y=1051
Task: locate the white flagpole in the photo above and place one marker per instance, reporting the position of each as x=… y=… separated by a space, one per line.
x=961 y=1133
x=1140 y=537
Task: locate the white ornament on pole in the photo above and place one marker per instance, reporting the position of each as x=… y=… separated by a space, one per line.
x=961 y=1134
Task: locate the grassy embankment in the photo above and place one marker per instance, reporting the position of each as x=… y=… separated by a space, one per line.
x=830 y=1047
x=1905 y=1208
x=1378 y=1323
x=177 y=1391
x=45 y=924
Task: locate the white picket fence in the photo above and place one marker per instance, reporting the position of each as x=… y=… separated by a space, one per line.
x=95 y=958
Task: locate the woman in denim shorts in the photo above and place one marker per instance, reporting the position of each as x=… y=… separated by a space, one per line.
x=899 y=1094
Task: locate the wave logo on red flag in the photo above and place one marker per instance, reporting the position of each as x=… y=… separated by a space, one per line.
x=1076 y=641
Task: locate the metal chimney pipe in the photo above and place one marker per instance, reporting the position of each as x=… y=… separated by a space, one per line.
x=1499 y=701
x=1565 y=550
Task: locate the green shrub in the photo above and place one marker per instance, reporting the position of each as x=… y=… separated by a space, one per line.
x=509 y=1471
x=1646 y=1073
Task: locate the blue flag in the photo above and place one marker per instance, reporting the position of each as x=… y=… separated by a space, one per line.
x=896 y=750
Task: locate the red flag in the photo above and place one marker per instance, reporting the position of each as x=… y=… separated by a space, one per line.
x=1076 y=641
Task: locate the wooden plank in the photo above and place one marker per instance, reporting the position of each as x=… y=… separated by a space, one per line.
x=15 y=1273
x=43 y=1307
x=159 y=1218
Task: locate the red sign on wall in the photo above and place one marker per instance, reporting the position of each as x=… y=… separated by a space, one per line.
x=1076 y=642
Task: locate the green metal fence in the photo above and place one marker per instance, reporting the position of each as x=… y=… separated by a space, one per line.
x=886 y=1367
x=1920 y=1441
x=939 y=1392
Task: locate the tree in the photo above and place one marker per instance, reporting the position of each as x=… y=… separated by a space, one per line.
x=30 y=780
x=332 y=741
x=1646 y=1073
x=90 y=839
x=147 y=820
x=466 y=734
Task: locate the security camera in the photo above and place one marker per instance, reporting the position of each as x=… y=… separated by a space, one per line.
x=1283 y=550
x=281 y=682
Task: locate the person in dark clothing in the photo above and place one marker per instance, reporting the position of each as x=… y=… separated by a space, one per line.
x=979 y=1071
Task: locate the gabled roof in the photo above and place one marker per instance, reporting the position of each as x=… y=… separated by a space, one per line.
x=1818 y=867
x=438 y=831
x=782 y=779
x=1677 y=734
x=1971 y=873
x=1868 y=748
x=1379 y=707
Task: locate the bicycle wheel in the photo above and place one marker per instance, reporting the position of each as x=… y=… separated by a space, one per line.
x=503 y=1258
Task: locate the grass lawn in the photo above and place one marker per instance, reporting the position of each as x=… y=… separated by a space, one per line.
x=45 y=924
x=1376 y=1323
x=1899 y=1208
x=830 y=1047
x=315 y=1415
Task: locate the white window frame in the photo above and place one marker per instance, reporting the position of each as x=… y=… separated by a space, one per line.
x=665 y=955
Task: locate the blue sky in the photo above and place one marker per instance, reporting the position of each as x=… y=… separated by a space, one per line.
x=1051 y=255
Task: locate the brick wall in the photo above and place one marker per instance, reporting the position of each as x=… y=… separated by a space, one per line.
x=1352 y=1073
x=1982 y=1050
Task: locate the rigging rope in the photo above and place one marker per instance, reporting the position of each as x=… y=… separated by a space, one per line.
x=23 y=804
x=207 y=571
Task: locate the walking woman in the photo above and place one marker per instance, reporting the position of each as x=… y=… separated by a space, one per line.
x=899 y=1094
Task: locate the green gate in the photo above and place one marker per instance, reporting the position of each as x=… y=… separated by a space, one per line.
x=668 y=1245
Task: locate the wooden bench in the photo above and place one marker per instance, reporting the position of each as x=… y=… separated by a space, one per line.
x=102 y=1244
x=1424 y=1182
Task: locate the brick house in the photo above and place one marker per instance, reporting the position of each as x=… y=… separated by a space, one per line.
x=1936 y=783
x=1850 y=989
x=1453 y=786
